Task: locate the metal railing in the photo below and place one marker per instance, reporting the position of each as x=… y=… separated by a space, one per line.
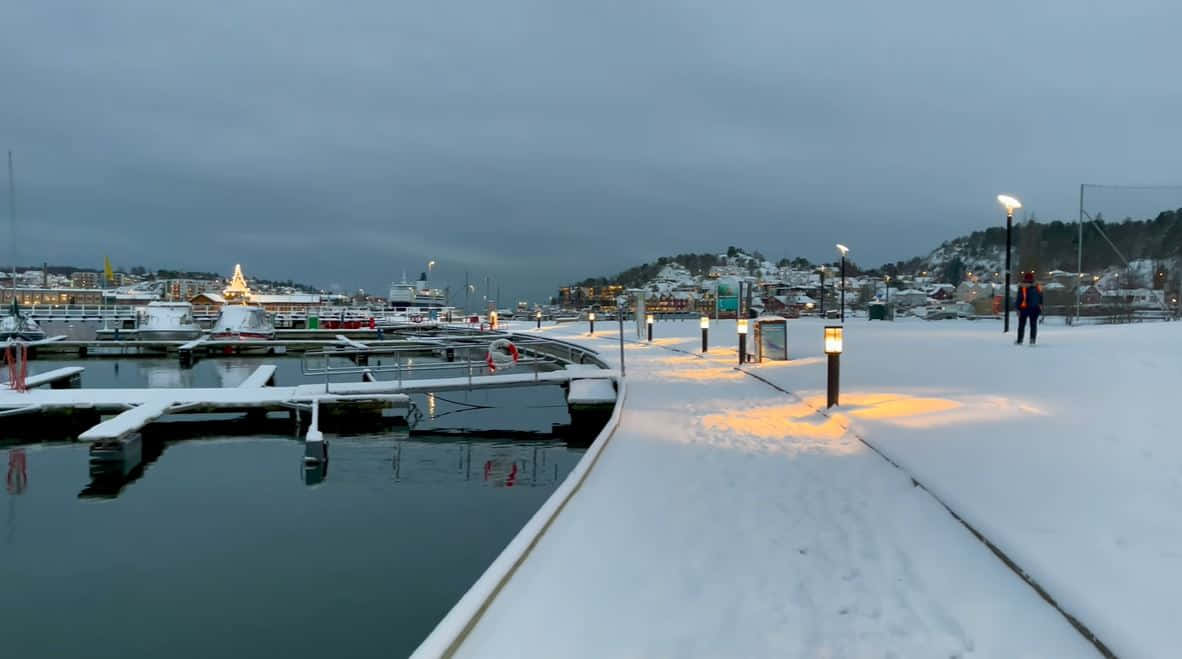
x=464 y=355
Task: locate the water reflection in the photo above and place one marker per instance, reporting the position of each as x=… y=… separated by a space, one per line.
x=109 y=477
x=232 y=372
x=484 y=464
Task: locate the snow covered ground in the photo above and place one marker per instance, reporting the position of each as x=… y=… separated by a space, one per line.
x=1065 y=455
x=726 y=518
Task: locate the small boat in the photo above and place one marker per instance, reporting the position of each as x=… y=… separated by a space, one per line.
x=168 y=321
x=18 y=327
x=242 y=323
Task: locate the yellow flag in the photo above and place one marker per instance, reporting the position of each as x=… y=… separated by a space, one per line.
x=107 y=272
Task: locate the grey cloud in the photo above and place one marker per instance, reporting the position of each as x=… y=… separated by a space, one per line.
x=541 y=142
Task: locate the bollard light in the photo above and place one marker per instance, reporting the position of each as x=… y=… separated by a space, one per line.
x=591 y=321
x=538 y=316
x=834 y=341
x=648 y=320
x=741 y=326
x=704 y=323
x=492 y=320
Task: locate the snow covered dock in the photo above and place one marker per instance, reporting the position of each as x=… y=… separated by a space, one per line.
x=721 y=513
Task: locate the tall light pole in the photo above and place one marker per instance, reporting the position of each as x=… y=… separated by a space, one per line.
x=1010 y=204
x=843 y=250
x=822 y=291
x=430 y=267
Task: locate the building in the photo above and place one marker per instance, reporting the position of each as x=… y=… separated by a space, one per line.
x=52 y=296
x=83 y=279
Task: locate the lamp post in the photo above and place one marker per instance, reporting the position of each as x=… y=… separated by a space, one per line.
x=591 y=321
x=888 y=293
x=430 y=267
x=538 y=317
x=648 y=320
x=741 y=326
x=1010 y=204
x=833 y=348
x=704 y=323
x=843 y=250
x=822 y=291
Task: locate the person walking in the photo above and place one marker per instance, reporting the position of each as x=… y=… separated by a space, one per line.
x=1029 y=307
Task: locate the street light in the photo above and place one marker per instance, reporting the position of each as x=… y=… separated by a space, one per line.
x=704 y=323
x=591 y=320
x=648 y=320
x=430 y=266
x=741 y=326
x=538 y=317
x=1010 y=204
x=843 y=250
x=834 y=341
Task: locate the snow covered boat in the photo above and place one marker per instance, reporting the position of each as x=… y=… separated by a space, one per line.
x=168 y=321
x=18 y=327
x=242 y=323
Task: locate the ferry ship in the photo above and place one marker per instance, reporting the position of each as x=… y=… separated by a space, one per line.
x=416 y=295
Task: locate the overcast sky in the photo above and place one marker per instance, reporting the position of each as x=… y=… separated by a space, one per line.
x=543 y=141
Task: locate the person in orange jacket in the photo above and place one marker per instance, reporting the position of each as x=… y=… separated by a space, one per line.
x=1029 y=307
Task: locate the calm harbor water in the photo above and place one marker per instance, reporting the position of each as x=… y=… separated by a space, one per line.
x=222 y=547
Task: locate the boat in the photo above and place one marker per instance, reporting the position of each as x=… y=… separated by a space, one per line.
x=415 y=296
x=18 y=327
x=168 y=321
x=242 y=322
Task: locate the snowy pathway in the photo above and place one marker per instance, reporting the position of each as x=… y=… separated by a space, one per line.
x=725 y=518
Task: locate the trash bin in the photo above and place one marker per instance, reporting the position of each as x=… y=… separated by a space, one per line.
x=313 y=322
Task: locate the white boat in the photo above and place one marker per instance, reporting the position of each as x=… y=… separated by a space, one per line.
x=242 y=323
x=18 y=327
x=168 y=321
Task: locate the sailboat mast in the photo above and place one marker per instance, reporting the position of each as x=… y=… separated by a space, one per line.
x=12 y=220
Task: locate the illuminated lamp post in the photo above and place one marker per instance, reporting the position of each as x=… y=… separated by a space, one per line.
x=843 y=250
x=741 y=326
x=591 y=322
x=1010 y=204
x=538 y=317
x=833 y=348
x=704 y=323
x=648 y=320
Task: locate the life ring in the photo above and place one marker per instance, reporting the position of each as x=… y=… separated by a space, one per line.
x=501 y=352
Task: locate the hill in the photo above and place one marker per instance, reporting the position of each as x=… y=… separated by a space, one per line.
x=1038 y=246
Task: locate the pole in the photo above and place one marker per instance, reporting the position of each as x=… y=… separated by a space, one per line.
x=467 y=290
x=620 y=316
x=742 y=349
x=834 y=385
x=704 y=337
x=12 y=221
x=1009 y=241
x=843 y=289
x=1079 y=262
x=650 y=332
x=822 y=291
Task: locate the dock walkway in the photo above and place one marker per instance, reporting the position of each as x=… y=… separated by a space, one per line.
x=718 y=516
